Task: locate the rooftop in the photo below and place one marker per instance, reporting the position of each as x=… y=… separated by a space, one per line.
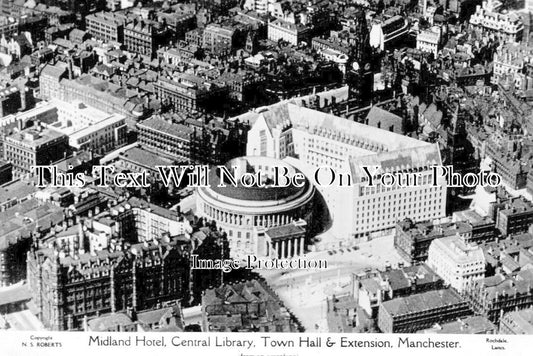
x=285 y=231
x=54 y=71
x=107 y=17
x=371 y=139
x=154 y=209
x=472 y=217
x=424 y=301
x=16 y=189
x=400 y=278
x=179 y=131
x=108 y=322
x=500 y=286
x=145 y=158
x=87 y=264
x=222 y=305
x=455 y=248
x=384 y=119
x=35 y=138
x=471 y=325
x=21 y=220
x=521 y=320
x=269 y=192
x=518 y=205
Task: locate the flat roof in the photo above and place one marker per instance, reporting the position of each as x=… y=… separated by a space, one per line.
x=144 y=158
x=34 y=138
x=20 y=220
x=424 y=301
x=284 y=231
x=476 y=324
x=158 y=124
x=16 y=189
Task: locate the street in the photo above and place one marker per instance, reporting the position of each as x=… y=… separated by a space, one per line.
x=304 y=292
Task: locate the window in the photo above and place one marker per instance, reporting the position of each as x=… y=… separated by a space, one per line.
x=263 y=142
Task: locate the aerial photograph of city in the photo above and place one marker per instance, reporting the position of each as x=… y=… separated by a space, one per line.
x=271 y=166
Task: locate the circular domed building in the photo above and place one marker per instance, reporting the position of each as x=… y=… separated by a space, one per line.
x=261 y=219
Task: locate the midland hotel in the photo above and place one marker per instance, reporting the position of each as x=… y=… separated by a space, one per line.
x=308 y=139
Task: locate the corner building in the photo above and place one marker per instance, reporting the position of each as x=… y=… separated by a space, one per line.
x=68 y=288
x=309 y=139
x=248 y=214
x=457 y=262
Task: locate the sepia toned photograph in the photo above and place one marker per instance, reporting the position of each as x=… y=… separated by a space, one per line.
x=328 y=170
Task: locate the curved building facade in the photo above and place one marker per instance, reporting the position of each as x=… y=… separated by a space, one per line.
x=312 y=140
x=248 y=213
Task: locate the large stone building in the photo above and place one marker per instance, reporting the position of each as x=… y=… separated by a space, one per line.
x=145 y=37
x=139 y=160
x=515 y=216
x=294 y=33
x=49 y=80
x=457 y=262
x=90 y=129
x=510 y=255
x=249 y=214
x=188 y=92
x=334 y=152
x=494 y=296
x=95 y=92
x=68 y=288
x=262 y=7
x=489 y=19
x=421 y=311
x=181 y=53
x=429 y=41
x=106 y=26
x=172 y=140
x=483 y=227
x=181 y=94
x=506 y=161
x=372 y=289
x=385 y=33
x=32 y=147
x=219 y=39
x=412 y=240
x=192 y=141
x=143 y=221
x=509 y=64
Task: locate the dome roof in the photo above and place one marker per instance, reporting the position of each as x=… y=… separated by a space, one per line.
x=255 y=192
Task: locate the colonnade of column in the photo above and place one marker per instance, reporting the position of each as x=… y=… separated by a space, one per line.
x=266 y=221
x=289 y=248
